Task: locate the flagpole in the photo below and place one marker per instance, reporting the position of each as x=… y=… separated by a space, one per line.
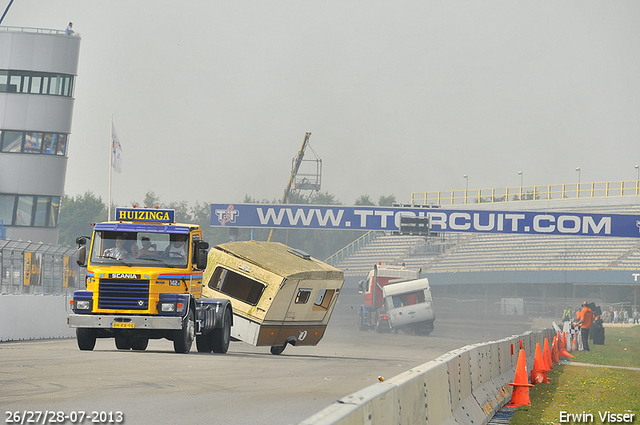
x=110 y=167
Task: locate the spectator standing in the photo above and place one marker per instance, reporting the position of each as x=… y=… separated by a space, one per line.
x=566 y=315
x=69 y=30
x=636 y=316
x=586 y=319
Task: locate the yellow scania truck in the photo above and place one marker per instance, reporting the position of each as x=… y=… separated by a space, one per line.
x=144 y=281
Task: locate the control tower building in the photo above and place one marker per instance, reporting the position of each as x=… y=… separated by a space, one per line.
x=38 y=69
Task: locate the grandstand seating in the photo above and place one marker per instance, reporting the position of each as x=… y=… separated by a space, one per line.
x=492 y=252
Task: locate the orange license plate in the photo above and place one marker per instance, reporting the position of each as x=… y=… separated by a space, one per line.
x=123 y=325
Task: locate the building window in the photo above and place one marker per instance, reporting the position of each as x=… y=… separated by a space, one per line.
x=7 y=203
x=24 y=212
x=12 y=141
x=49 y=143
x=29 y=210
x=42 y=209
x=36 y=84
x=33 y=142
x=33 y=82
x=62 y=144
x=54 y=211
x=4 y=77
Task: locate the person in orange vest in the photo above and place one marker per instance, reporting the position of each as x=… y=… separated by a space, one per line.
x=586 y=318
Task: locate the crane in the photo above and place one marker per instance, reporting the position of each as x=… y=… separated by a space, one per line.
x=301 y=181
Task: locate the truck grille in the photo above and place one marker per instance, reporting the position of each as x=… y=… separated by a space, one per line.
x=121 y=294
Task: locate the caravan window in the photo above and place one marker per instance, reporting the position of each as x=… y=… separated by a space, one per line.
x=323 y=299
x=236 y=285
x=303 y=296
x=409 y=299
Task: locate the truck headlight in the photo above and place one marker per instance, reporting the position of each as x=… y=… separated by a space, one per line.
x=82 y=304
x=168 y=307
x=172 y=304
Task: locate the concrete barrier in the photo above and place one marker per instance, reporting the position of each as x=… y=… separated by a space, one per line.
x=468 y=385
x=24 y=317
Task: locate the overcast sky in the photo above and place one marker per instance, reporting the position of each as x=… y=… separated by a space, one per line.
x=211 y=99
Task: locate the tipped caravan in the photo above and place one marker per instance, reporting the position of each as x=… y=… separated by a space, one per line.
x=409 y=306
x=279 y=295
x=396 y=298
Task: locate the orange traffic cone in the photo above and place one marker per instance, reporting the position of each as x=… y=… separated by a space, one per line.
x=547 y=355
x=563 y=347
x=520 y=395
x=554 y=351
x=538 y=374
x=574 y=342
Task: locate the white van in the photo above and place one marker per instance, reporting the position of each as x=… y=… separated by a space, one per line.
x=409 y=306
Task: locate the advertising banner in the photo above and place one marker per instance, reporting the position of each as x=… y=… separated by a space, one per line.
x=339 y=217
x=28 y=259
x=65 y=272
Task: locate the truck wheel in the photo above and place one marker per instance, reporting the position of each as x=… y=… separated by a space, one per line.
x=361 y=325
x=139 y=343
x=122 y=343
x=183 y=338
x=86 y=338
x=203 y=343
x=378 y=327
x=220 y=337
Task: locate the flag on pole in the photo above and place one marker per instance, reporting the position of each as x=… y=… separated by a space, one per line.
x=116 y=151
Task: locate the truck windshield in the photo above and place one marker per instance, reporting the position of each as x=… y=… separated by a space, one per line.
x=140 y=249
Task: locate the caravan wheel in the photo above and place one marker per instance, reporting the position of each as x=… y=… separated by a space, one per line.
x=277 y=349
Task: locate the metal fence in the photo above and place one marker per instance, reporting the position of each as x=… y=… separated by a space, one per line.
x=528 y=193
x=37 y=268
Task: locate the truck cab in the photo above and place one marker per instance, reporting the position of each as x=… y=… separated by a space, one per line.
x=144 y=281
x=395 y=297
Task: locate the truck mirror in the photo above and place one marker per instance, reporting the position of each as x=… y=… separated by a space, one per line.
x=81 y=240
x=201 y=254
x=82 y=256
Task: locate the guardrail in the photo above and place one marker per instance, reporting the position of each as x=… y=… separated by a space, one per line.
x=34 y=30
x=468 y=385
x=528 y=193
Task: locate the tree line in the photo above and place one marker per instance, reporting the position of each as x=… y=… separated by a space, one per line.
x=77 y=214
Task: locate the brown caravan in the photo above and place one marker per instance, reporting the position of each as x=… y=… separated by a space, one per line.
x=279 y=295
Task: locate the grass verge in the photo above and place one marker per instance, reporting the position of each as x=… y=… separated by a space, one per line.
x=590 y=390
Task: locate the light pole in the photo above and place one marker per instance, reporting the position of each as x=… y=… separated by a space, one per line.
x=521 y=183
x=638 y=169
x=578 y=189
x=466 y=187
